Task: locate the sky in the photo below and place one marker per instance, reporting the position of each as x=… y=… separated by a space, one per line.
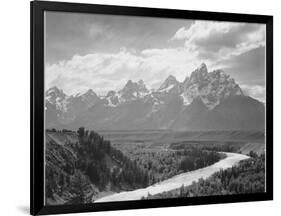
x=103 y=52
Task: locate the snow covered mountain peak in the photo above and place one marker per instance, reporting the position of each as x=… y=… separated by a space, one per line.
x=90 y=92
x=171 y=81
x=89 y=98
x=54 y=95
x=55 y=91
x=57 y=98
x=133 y=90
x=210 y=87
x=203 y=67
x=200 y=74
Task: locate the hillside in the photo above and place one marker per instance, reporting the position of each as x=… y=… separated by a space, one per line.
x=83 y=165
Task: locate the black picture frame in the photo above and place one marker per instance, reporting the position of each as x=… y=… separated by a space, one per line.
x=37 y=106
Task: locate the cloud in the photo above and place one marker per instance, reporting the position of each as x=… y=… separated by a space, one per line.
x=247 y=68
x=236 y=47
x=255 y=91
x=221 y=40
x=68 y=34
x=113 y=70
x=97 y=71
x=203 y=29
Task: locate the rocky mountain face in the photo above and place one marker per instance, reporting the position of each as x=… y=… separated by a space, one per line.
x=211 y=87
x=203 y=101
x=131 y=91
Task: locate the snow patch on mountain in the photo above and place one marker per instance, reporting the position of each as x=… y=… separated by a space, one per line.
x=167 y=89
x=186 y=101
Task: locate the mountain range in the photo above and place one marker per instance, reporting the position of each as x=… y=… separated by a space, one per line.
x=203 y=101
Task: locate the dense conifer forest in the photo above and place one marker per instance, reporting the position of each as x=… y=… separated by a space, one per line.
x=246 y=177
x=163 y=164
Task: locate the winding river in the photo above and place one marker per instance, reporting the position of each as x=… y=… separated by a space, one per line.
x=176 y=181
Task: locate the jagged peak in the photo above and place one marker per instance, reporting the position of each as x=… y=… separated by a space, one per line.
x=171 y=77
x=203 y=66
x=199 y=74
x=141 y=85
x=136 y=86
x=129 y=85
x=129 y=82
x=202 y=69
x=89 y=92
x=211 y=87
x=139 y=82
x=54 y=90
x=170 y=80
x=110 y=93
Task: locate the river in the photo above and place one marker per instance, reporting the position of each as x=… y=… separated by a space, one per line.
x=177 y=180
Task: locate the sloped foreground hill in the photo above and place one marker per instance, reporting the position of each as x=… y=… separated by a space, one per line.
x=82 y=165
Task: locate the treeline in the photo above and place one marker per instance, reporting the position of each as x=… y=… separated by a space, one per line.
x=196 y=159
x=247 y=177
x=217 y=146
x=90 y=163
x=163 y=164
x=60 y=131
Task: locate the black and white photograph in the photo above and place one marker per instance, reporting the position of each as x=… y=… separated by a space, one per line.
x=142 y=108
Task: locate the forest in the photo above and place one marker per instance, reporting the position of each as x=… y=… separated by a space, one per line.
x=163 y=164
x=246 y=177
x=217 y=146
x=81 y=165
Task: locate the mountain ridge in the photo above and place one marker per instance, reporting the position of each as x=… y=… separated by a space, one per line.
x=174 y=105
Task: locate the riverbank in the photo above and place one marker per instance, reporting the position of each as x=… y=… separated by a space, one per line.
x=176 y=181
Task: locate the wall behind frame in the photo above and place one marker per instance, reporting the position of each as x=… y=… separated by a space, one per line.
x=14 y=109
